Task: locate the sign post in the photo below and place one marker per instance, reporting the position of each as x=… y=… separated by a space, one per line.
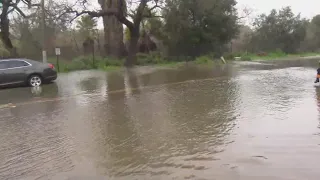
x=58 y=53
x=93 y=59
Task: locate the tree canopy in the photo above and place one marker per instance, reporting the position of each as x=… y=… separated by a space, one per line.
x=196 y=27
x=279 y=30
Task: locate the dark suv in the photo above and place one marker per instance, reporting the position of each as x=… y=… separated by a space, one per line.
x=25 y=72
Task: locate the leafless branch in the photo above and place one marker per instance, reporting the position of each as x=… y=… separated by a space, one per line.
x=29 y=3
x=109 y=12
x=154 y=16
x=142 y=11
x=10 y=11
x=154 y=7
x=149 y=13
x=247 y=12
x=15 y=7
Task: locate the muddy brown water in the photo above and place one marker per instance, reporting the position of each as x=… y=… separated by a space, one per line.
x=241 y=121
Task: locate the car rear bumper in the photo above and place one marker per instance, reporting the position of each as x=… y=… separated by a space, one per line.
x=51 y=78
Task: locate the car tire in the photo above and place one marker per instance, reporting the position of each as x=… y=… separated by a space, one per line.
x=35 y=81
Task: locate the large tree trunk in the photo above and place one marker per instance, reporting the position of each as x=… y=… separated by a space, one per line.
x=113 y=30
x=133 y=47
x=4 y=26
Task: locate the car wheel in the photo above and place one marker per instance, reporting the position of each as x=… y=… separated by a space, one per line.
x=35 y=81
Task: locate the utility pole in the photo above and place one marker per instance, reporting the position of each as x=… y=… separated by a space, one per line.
x=44 y=49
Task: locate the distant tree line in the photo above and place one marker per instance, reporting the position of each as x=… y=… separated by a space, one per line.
x=279 y=31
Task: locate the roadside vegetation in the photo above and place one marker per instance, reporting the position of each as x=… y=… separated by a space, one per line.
x=110 y=64
x=154 y=59
x=277 y=55
x=164 y=33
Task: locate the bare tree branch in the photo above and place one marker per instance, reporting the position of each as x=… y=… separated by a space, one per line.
x=10 y=11
x=15 y=6
x=142 y=11
x=149 y=13
x=247 y=12
x=154 y=16
x=109 y=12
x=155 y=6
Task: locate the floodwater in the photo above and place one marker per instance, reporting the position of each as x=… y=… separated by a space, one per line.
x=243 y=121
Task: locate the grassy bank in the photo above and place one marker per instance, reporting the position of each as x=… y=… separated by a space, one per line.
x=86 y=63
x=110 y=64
x=272 y=56
x=153 y=59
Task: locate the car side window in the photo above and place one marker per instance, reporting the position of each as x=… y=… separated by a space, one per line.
x=3 y=65
x=16 y=64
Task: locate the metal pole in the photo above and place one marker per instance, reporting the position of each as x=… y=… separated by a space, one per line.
x=44 y=52
x=58 y=63
x=93 y=59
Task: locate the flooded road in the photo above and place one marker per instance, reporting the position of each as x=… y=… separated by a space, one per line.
x=242 y=121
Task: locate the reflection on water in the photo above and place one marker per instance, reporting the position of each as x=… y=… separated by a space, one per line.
x=16 y=95
x=36 y=90
x=230 y=122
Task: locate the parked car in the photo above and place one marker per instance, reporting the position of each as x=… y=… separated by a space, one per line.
x=25 y=72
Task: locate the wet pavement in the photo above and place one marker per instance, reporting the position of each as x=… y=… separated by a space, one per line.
x=240 y=121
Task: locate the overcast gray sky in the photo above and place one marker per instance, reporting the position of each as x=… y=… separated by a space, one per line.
x=307 y=8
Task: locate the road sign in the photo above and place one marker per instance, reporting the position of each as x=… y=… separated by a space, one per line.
x=58 y=52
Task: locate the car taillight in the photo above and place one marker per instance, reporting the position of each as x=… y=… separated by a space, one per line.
x=51 y=66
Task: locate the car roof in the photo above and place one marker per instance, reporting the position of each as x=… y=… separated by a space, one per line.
x=21 y=59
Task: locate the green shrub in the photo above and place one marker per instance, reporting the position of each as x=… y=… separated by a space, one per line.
x=3 y=51
x=246 y=58
x=151 y=58
x=277 y=54
x=108 y=63
x=203 y=59
x=86 y=63
x=229 y=56
x=239 y=54
x=180 y=58
x=97 y=62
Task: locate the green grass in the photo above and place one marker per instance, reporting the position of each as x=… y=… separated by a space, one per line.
x=278 y=55
x=86 y=63
x=110 y=64
x=308 y=54
x=203 y=60
x=208 y=60
x=171 y=64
